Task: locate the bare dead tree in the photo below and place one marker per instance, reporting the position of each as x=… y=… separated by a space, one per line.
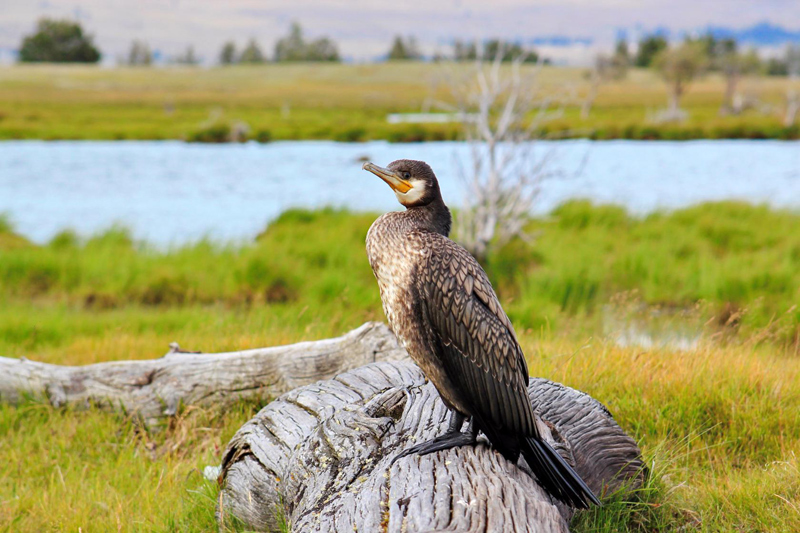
x=793 y=91
x=502 y=105
x=605 y=68
x=792 y=107
x=679 y=66
x=154 y=389
x=734 y=65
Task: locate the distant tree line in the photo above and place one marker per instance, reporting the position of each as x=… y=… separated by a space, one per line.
x=789 y=65
x=293 y=47
x=680 y=63
x=139 y=54
x=721 y=55
x=404 y=49
x=507 y=50
x=65 y=41
x=58 y=41
x=683 y=62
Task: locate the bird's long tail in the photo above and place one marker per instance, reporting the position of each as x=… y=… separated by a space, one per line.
x=555 y=474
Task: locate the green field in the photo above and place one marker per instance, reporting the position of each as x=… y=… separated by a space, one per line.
x=342 y=102
x=719 y=423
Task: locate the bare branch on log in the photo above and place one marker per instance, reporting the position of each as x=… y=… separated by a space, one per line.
x=318 y=457
x=155 y=388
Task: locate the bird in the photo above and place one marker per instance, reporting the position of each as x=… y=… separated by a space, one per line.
x=443 y=310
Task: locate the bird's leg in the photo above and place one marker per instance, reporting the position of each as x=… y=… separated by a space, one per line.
x=450 y=439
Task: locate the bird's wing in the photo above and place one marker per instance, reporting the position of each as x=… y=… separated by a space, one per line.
x=478 y=345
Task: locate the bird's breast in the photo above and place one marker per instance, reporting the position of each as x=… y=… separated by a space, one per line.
x=395 y=260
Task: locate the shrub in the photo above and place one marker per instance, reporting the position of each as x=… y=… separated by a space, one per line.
x=580 y=214
x=407 y=134
x=64 y=239
x=166 y=290
x=215 y=133
x=5 y=224
x=263 y=136
x=116 y=237
x=351 y=135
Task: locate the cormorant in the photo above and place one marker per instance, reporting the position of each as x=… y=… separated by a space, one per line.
x=444 y=311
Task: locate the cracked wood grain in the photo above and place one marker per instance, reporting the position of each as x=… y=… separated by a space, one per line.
x=156 y=388
x=319 y=457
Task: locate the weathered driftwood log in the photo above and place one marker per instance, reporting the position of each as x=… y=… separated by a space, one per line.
x=318 y=458
x=155 y=388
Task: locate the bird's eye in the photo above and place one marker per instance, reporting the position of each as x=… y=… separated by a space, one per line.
x=406 y=175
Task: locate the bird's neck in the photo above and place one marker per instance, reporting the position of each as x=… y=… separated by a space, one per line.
x=434 y=217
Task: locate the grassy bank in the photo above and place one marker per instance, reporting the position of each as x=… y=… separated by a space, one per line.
x=719 y=428
x=733 y=267
x=339 y=102
x=719 y=423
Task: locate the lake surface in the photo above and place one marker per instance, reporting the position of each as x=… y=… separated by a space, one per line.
x=171 y=192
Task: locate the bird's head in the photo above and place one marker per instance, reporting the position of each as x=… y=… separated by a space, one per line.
x=413 y=182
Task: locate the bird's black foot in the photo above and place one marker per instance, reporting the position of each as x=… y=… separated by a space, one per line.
x=452 y=439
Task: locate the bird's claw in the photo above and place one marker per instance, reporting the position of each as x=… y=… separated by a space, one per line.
x=443 y=442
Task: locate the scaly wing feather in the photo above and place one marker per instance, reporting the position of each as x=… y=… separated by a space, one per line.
x=477 y=343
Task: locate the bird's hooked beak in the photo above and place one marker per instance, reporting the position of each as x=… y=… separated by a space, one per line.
x=391 y=177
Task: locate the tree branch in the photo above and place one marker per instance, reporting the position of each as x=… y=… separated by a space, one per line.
x=155 y=388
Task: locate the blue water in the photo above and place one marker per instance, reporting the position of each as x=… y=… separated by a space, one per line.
x=171 y=192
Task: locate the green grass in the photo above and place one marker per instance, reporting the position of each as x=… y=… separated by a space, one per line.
x=68 y=469
x=719 y=424
x=733 y=264
x=339 y=102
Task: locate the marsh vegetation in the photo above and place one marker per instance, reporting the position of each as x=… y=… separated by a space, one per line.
x=349 y=103
x=719 y=422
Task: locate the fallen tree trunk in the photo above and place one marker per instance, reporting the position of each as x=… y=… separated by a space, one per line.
x=155 y=388
x=318 y=459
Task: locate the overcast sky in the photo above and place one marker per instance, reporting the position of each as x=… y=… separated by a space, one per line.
x=363 y=28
